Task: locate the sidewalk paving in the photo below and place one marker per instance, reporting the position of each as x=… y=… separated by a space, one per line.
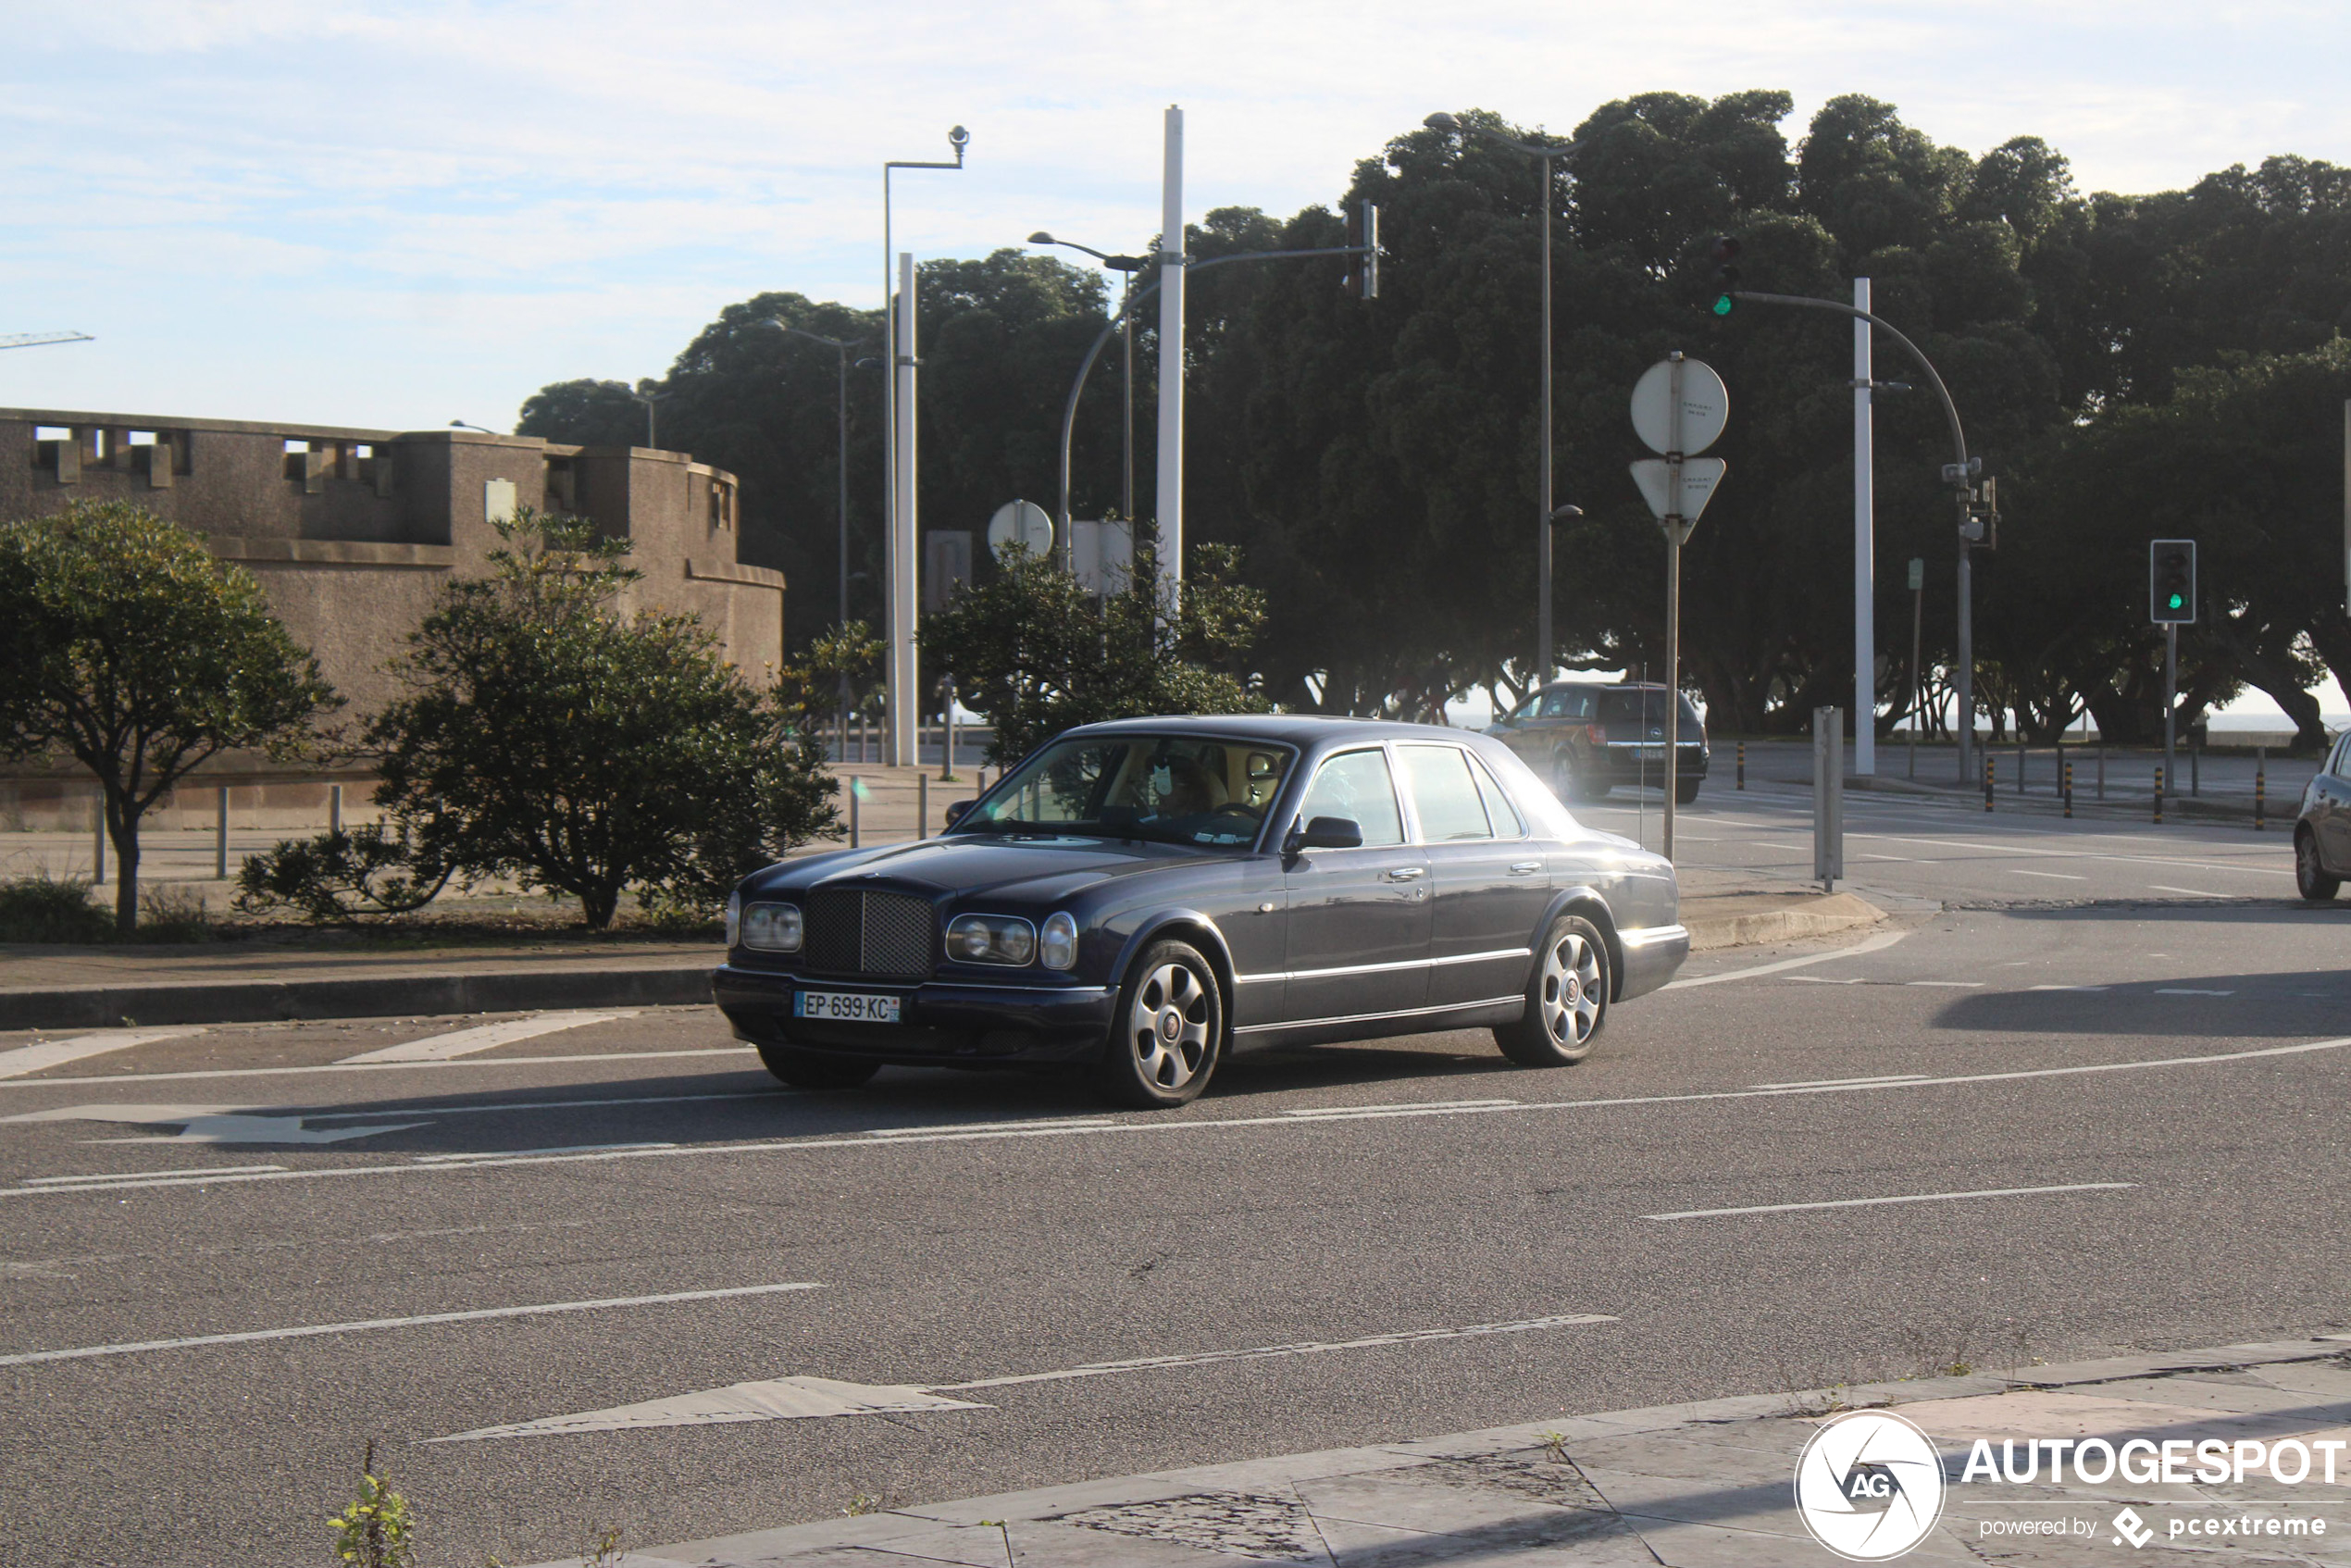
x=1694 y=1486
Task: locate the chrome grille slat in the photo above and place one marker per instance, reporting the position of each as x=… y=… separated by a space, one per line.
x=857 y=931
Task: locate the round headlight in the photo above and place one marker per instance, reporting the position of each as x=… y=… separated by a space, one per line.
x=772 y=927
x=990 y=939
x=1058 y=946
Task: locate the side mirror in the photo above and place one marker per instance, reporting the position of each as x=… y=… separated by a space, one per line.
x=955 y=810
x=1325 y=833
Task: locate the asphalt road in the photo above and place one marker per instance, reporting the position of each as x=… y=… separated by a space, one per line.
x=2153 y=1081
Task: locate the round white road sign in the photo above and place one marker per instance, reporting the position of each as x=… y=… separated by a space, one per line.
x=1706 y=405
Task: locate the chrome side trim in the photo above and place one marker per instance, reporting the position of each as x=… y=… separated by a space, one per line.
x=1499 y=952
x=1649 y=935
x=1374 y=1017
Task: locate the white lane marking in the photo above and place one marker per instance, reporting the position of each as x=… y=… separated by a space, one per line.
x=24 y=1059
x=2069 y=988
x=1826 y=980
x=2053 y=875
x=2189 y=990
x=491 y=1107
x=1909 y=1198
x=1834 y=1083
x=773 y=1399
x=1221 y=1124
x=2192 y=893
x=1055 y=1124
x=1268 y=1353
x=1878 y=943
x=110 y=1177
x=789 y=1399
x=486 y=1036
x=1963 y=984
x=1986 y=848
x=477 y=1314
x=558 y=1149
x=1348 y=1113
x=382 y=1066
x=207 y=1123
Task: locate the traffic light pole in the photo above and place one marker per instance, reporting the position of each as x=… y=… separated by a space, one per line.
x=1962 y=473
x=2171 y=694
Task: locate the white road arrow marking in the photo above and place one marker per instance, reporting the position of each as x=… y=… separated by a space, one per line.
x=209 y=1124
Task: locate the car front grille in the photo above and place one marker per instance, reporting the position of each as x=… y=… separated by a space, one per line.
x=853 y=932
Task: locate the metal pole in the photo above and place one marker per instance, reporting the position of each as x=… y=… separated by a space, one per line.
x=1864 y=545
x=905 y=545
x=2260 y=783
x=1676 y=531
x=221 y=833
x=947 y=757
x=1673 y=665
x=1543 y=513
x=1127 y=429
x=840 y=414
x=1171 y=365
x=1918 y=693
x=853 y=792
x=922 y=805
x=1828 y=796
x=334 y=808
x=1967 y=650
x=2170 y=693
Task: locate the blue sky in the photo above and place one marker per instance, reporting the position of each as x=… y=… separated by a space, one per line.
x=388 y=215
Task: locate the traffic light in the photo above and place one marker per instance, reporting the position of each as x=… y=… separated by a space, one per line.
x=1725 y=253
x=1362 y=269
x=2171 y=581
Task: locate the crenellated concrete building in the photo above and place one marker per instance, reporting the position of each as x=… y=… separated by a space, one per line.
x=349 y=531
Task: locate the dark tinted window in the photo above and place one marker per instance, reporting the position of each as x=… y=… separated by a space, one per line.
x=1444 y=795
x=1355 y=785
x=1646 y=708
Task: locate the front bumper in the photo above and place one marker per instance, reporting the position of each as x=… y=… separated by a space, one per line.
x=939 y=1021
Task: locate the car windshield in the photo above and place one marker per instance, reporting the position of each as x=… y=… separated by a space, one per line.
x=1179 y=790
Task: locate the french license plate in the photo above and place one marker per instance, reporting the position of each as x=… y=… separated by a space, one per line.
x=854 y=1007
x=1652 y=754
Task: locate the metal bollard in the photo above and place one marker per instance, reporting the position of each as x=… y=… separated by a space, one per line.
x=852 y=811
x=1742 y=783
x=922 y=805
x=2020 y=767
x=221 y=833
x=1988 y=778
x=2196 y=767
x=2260 y=782
x=2101 y=771
x=2159 y=793
x=2068 y=788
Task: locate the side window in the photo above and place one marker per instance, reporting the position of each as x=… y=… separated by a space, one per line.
x=1444 y=794
x=1356 y=785
x=1529 y=708
x=1506 y=822
x=1558 y=704
x=2340 y=764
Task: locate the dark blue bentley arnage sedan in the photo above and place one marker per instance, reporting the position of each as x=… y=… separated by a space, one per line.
x=1145 y=896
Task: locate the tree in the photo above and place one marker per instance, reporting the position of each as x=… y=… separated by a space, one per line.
x=585 y=412
x=1038 y=653
x=546 y=737
x=128 y=644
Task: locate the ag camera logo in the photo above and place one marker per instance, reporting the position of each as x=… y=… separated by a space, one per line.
x=1869 y=1485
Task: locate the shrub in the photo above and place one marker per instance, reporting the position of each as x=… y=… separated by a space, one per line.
x=341 y=876
x=169 y=914
x=42 y=909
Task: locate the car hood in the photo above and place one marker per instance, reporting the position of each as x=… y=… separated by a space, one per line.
x=965 y=863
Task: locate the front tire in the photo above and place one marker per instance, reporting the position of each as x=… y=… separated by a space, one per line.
x=803 y=1069
x=1566 y=1000
x=2311 y=878
x=1168 y=1032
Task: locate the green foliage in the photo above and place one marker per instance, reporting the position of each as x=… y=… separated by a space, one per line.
x=42 y=909
x=1037 y=652
x=169 y=914
x=341 y=876
x=125 y=643
x=839 y=658
x=548 y=736
x=377 y=1530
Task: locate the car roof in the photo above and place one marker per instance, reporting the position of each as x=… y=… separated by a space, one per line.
x=1303 y=730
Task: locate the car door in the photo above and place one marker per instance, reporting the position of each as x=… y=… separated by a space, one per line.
x=1359 y=918
x=2330 y=813
x=1490 y=884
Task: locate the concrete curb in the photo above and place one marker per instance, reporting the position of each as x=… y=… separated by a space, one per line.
x=254 y=1001
x=525 y=989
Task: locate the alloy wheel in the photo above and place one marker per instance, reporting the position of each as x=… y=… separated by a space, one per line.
x=1571 y=977
x=1168 y=1026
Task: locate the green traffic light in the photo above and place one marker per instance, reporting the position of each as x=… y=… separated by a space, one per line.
x=1723 y=305
x=2177 y=600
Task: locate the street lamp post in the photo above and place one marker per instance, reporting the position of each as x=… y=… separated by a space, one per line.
x=648 y=399
x=840 y=408
x=896 y=699
x=461 y=425
x=1543 y=152
x=1129 y=265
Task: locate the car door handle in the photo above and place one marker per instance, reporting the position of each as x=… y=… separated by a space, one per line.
x=1525 y=867
x=1407 y=872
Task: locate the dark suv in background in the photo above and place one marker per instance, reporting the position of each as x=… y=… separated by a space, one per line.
x=1587 y=738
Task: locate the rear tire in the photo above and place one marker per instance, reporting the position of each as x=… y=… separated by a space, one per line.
x=2311 y=878
x=1566 y=999
x=802 y=1069
x=1168 y=1032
